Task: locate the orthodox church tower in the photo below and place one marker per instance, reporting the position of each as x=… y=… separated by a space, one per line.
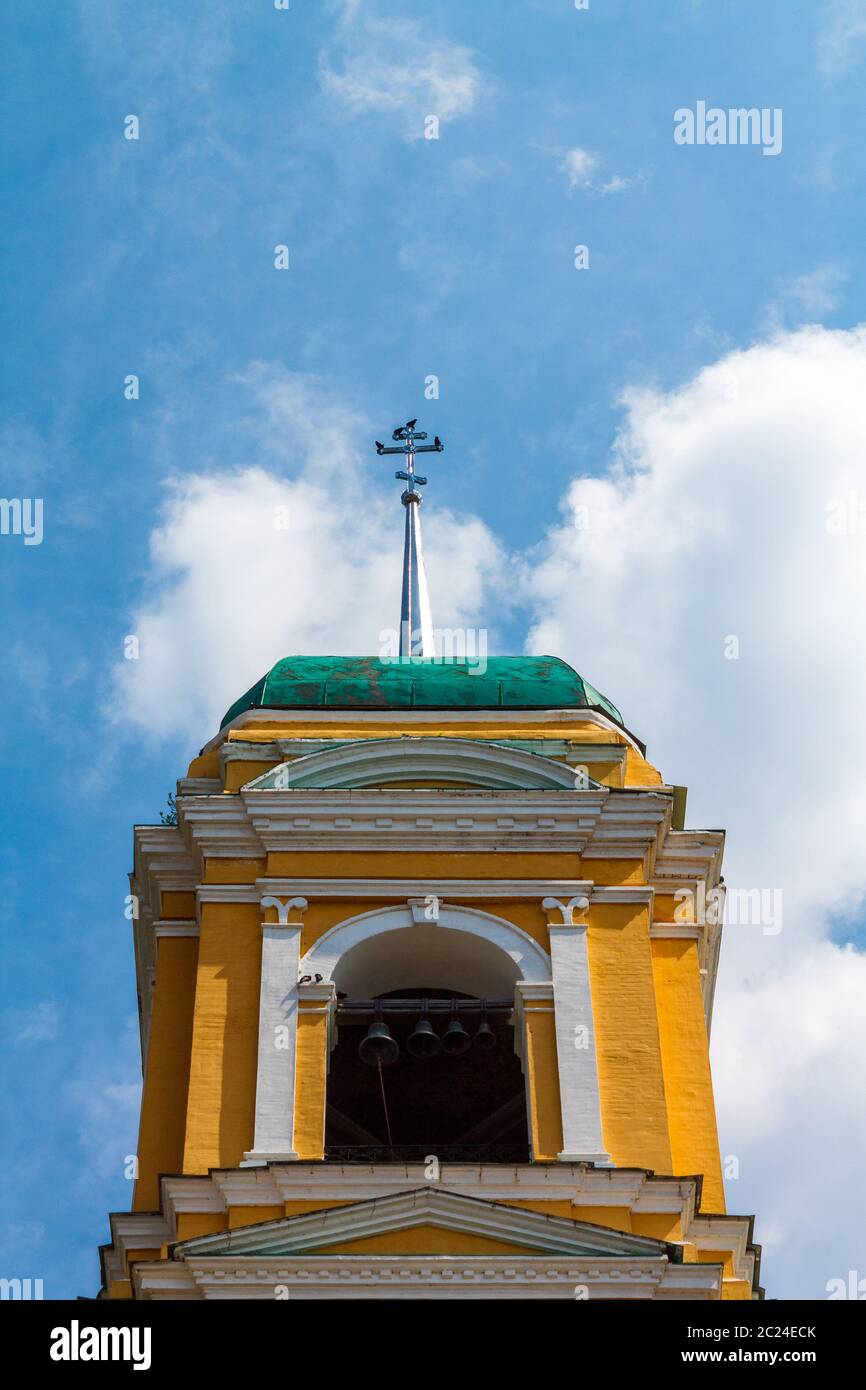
x=425 y=981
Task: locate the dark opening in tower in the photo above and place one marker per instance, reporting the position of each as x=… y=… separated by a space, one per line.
x=419 y=1072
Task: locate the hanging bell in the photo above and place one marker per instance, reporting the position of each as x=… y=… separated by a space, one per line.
x=485 y=1038
x=455 y=1039
x=378 y=1048
x=423 y=1041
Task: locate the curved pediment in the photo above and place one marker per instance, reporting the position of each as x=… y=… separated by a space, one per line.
x=420 y=761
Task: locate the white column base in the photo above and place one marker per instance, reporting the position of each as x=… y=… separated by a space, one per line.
x=600 y=1160
x=258 y=1160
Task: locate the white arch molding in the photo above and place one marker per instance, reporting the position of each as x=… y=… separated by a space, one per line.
x=488 y=954
x=368 y=762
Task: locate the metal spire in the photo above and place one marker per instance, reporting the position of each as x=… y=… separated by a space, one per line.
x=416 y=624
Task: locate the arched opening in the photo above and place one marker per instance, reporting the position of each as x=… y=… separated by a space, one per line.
x=463 y=1100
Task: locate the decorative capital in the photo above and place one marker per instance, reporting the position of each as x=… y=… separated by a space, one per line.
x=284 y=906
x=566 y=911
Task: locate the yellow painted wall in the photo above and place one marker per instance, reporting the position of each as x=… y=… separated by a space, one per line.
x=686 y=1064
x=311 y=1068
x=640 y=773
x=661 y=1225
x=222 y=1086
x=253 y=1216
x=178 y=906
x=737 y=1289
x=200 y=1223
x=425 y=1240
x=403 y=864
x=631 y=1083
x=299 y=1208
x=163 y=1105
x=615 y=1218
x=219 y=870
x=542 y=1084
x=205 y=765
x=241 y=771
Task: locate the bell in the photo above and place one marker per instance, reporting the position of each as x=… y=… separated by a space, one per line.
x=485 y=1038
x=455 y=1039
x=378 y=1048
x=423 y=1041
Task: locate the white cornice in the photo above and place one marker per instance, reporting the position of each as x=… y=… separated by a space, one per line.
x=581 y=1184
x=199 y=786
x=523 y=1276
x=639 y=894
x=404 y=888
x=599 y=823
x=685 y=931
x=229 y=892
x=172 y=927
x=633 y=1189
x=430 y=819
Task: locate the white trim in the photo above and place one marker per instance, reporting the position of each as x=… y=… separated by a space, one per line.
x=686 y=931
x=364 y=763
x=229 y=893
x=176 y=927
x=278 y=1021
x=638 y=895
x=530 y=959
x=366 y=1277
x=405 y=888
x=579 y=1098
x=582 y=1185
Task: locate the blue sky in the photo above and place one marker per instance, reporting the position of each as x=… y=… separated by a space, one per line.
x=711 y=270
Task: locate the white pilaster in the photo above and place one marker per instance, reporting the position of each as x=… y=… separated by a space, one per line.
x=582 y=1139
x=278 y=1034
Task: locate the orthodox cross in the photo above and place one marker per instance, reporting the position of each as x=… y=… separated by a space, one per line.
x=407 y=435
x=416 y=624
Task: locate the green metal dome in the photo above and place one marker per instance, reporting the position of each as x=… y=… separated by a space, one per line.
x=367 y=682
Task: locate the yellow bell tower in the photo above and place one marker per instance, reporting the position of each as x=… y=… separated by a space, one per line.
x=418 y=978
x=425 y=979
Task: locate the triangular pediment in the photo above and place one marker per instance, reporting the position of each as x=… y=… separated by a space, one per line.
x=434 y=1217
x=415 y=760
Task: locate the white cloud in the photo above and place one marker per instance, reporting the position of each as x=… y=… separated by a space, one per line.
x=581 y=168
x=396 y=68
x=842 y=36
x=712 y=522
x=23 y=1027
x=788 y=1069
x=621 y=183
x=807 y=298
x=298 y=552
x=184 y=53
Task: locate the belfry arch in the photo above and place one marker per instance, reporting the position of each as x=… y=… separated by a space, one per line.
x=494 y=944
x=458 y=970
